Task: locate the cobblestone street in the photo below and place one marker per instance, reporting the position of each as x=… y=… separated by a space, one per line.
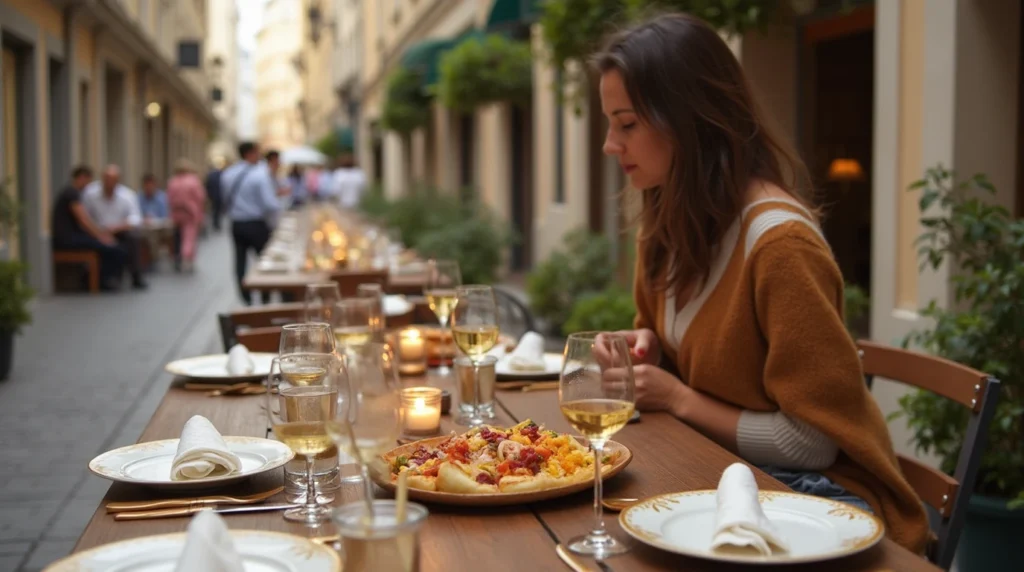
x=88 y=374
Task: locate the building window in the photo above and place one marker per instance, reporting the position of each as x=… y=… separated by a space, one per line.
x=188 y=54
x=559 y=139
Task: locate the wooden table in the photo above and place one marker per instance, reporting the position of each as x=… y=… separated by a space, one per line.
x=668 y=456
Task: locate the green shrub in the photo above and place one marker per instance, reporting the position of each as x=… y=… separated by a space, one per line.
x=374 y=204
x=406 y=103
x=856 y=305
x=417 y=214
x=483 y=70
x=610 y=310
x=584 y=267
x=14 y=296
x=982 y=328
x=477 y=242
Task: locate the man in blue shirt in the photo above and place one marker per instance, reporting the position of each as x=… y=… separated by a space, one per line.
x=250 y=196
x=153 y=202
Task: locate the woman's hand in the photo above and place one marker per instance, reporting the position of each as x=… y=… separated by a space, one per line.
x=644 y=347
x=656 y=389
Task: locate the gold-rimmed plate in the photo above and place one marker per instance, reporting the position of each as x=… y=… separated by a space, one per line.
x=149 y=463
x=215 y=367
x=258 y=549
x=817 y=529
x=618 y=451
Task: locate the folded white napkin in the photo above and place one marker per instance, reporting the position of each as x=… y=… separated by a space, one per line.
x=208 y=546
x=739 y=521
x=239 y=361
x=529 y=353
x=202 y=452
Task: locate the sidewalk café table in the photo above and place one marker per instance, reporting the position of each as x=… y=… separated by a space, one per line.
x=668 y=456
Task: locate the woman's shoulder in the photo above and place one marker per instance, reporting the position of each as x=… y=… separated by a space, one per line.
x=771 y=214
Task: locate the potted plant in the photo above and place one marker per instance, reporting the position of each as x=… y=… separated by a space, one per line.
x=406 y=103
x=479 y=71
x=984 y=329
x=14 y=298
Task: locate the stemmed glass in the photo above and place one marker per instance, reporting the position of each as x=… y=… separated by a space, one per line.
x=596 y=395
x=320 y=301
x=353 y=321
x=370 y=423
x=306 y=338
x=374 y=291
x=475 y=330
x=298 y=414
x=443 y=277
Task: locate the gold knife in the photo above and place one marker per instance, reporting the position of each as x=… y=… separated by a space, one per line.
x=187 y=502
x=571 y=560
x=185 y=511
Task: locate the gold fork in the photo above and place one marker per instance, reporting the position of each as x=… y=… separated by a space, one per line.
x=186 y=502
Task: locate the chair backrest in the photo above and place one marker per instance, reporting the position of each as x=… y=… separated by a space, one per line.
x=514 y=318
x=976 y=391
x=349 y=281
x=261 y=339
x=257 y=317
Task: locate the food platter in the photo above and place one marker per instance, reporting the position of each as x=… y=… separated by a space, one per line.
x=621 y=454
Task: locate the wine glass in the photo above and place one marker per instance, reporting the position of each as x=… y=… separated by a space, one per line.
x=370 y=424
x=298 y=416
x=320 y=301
x=353 y=321
x=306 y=338
x=596 y=394
x=475 y=330
x=443 y=276
x=375 y=292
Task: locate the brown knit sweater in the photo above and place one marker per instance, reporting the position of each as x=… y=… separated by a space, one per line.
x=766 y=334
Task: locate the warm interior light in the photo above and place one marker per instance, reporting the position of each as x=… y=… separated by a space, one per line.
x=153 y=109
x=845 y=169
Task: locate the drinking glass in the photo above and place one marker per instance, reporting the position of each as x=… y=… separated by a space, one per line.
x=443 y=276
x=320 y=301
x=353 y=321
x=298 y=415
x=370 y=423
x=596 y=396
x=475 y=330
x=374 y=291
x=306 y=338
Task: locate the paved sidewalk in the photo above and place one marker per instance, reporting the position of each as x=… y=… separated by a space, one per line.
x=87 y=376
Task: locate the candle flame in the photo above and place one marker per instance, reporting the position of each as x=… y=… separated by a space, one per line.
x=419 y=404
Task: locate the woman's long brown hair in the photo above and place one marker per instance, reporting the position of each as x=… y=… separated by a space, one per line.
x=684 y=81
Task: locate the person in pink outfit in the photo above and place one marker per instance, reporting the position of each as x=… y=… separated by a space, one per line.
x=186 y=198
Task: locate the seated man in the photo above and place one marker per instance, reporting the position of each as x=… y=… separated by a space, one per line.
x=153 y=202
x=115 y=208
x=73 y=229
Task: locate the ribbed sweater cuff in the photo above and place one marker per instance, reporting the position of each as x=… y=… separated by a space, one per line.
x=776 y=439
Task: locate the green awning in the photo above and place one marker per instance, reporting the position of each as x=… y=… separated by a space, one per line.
x=508 y=13
x=346 y=138
x=425 y=56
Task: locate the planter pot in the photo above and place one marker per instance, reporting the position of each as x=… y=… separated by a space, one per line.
x=991 y=538
x=6 y=352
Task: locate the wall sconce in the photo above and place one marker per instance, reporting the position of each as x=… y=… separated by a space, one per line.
x=153 y=110
x=845 y=170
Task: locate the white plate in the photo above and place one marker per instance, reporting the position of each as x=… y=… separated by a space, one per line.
x=259 y=550
x=150 y=463
x=396 y=305
x=272 y=266
x=817 y=529
x=552 y=368
x=215 y=367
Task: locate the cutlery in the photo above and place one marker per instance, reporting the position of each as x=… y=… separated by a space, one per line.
x=249 y=390
x=571 y=560
x=185 y=511
x=618 y=504
x=188 y=502
x=209 y=386
x=540 y=386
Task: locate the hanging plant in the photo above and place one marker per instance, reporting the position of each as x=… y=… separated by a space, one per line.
x=406 y=103
x=574 y=29
x=479 y=71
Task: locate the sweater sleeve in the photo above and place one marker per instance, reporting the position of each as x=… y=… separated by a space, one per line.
x=778 y=439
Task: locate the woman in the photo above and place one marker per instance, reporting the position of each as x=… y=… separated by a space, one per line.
x=187 y=200
x=738 y=296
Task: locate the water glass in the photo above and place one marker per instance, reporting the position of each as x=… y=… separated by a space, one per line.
x=380 y=543
x=481 y=376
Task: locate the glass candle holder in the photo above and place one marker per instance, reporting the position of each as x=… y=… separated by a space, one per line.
x=412 y=352
x=421 y=411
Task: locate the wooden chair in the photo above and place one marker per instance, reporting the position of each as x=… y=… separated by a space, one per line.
x=257 y=317
x=348 y=282
x=973 y=389
x=91 y=260
x=260 y=339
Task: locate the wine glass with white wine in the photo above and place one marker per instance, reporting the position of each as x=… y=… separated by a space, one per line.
x=370 y=424
x=354 y=319
x=299 y=414
x=596 y=393
x=443 y=277
x=475 y=330
x=320 y=300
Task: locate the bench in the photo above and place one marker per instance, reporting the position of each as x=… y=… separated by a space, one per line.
x=91 y=260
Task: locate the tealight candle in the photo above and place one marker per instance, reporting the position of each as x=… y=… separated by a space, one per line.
x=421 y=410
x=412 y=355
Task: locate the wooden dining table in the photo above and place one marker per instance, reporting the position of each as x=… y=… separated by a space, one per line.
x=668 y=456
